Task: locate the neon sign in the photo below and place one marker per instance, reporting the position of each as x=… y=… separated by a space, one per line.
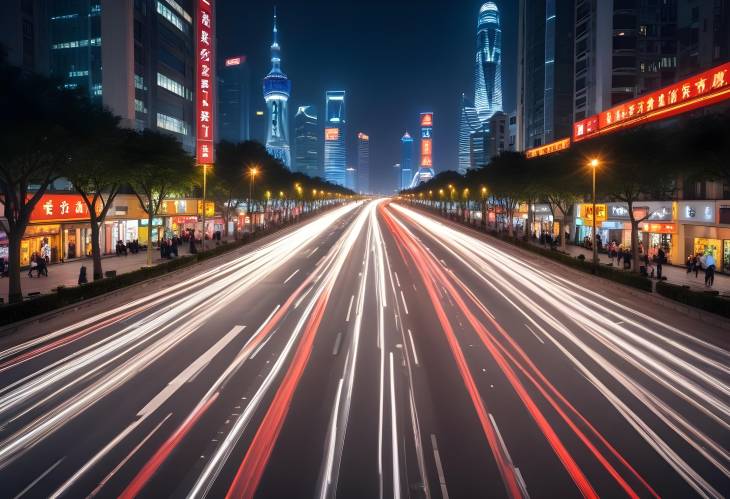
x=704 y=89
x=331 y=134
x=550 y=148
x=205 y=82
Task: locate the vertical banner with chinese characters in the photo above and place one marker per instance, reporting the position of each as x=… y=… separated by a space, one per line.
x=205 y=82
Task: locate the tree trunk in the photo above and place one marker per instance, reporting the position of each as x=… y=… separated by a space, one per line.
x=96 y=250
x=635 y=245
x=149 y=235
x=15 y=292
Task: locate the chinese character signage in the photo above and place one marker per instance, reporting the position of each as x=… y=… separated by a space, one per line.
x=331 y=134
x=426 y=140
x=205 y=81
x=60 y=207
x=700 y=90
x=559 y=145
x=586 y=212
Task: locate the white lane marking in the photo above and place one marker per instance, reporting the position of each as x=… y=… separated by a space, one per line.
x=349 y=308
x=189 y=373
x=394 y=434
x=402 y=297
x=313 y=252
x=293 y=274
x=338 y=341
x=262 y=345
x=413 y=347
x=41 y=477
x=129 y=456
x=396 y=278
x=534 y=333
x=439 y=467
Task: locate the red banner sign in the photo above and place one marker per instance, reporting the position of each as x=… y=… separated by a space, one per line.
x=426 y=119
x=698 y=91
x=550 y=148
x=205 y=81
x=60 y=207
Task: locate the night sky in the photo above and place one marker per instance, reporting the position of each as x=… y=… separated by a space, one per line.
x=394 y=58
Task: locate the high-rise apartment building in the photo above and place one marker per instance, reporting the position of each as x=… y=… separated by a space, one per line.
x=335 y=152
x=488 y=65
x=307 y=141
x=136 y=58
x=623 y=49
x=277 y=89
x=406 y=161
x=545 y=72
x=24 y=34
x=703 y=33
x=234 y=100
x=363 y=163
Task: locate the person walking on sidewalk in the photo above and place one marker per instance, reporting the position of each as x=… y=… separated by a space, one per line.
x=660 y=258
x=82 y=276
x=709 y=270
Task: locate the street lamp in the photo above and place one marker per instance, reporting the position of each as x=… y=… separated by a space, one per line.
x=205 y=189
x=252 y=172
x=594 y=164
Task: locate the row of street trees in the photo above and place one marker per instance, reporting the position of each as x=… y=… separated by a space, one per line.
x=48 y=133
x=645 y=163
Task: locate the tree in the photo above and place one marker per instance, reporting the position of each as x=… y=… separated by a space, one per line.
x=506 y=177
x=159 y=168
x=38 y=128
x=561 y=188
x=634 y=166
x=227 y=186
x=97 y=172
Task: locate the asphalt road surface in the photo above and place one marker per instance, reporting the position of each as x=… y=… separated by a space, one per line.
x=372 y=352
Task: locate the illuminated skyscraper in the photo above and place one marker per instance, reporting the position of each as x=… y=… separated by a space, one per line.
x=468 y=123
x=277 y=89
x=425 y=171
x=334 y=137
x=488 y=67
x=351 y=178
x=307 y=141
x=363 y=163
x=234 y=87
x=406 y=162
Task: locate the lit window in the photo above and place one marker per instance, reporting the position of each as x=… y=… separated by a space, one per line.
x=139 y=106
x=173 y=86
x=172 y=124
x=170 y=16
x=177 y=8
x=139 y=83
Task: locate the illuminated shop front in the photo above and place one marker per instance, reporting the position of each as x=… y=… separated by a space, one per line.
x=706 y=230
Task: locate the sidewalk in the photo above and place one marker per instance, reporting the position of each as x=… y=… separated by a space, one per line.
x=67 y=274
x=675 y=275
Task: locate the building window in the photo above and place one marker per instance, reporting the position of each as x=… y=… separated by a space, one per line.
x=77 y=74
x=139 y=106
x=173 y=86
x=94 y=42
x=172 y=124
x=171 y=17
x=139 y=83
x=177 y=8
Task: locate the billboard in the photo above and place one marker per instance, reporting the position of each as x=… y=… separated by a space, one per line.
x=559 y=145
x=331 y=134
x=205 y=82
x=235 y=61
x=60 y=207
x=701 y=90
x=426 y=119
x=426 y=140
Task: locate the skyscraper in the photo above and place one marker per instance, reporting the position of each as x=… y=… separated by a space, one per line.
x=334 y=137
x=277 y=89
x=545 y=81
x=488 y=67
x=468 y=123
x=351 y=179
x=234 y=113
x=306 y=141
x=425 y=171
x=24 y=34
x=363 y=163
x=406 y=161
x=135 y=58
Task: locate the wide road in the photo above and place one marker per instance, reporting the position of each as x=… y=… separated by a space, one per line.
x=372 y=352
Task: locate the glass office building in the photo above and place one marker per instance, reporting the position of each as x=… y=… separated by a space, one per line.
x=488 y=67
x=307 y=142
x=335 y=152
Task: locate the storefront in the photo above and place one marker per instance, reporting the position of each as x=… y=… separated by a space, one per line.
x=701 y=232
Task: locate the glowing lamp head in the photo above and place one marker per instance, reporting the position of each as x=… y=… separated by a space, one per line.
x=594 y=163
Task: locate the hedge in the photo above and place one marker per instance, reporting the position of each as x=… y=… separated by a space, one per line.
x=702 y=300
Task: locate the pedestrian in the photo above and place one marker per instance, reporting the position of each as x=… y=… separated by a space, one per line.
x=42 y=268
x=696 y=265
x=709 y=270
x=193 y=249
x=82 y=275
x=46 y=252
x=690 y=262
x=33 y=265
x=627 y=259
x=619 y=256
x=660 y=259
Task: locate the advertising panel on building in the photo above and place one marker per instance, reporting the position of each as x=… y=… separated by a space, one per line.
x=709 y=87
x=553 y=147
x=205 y=82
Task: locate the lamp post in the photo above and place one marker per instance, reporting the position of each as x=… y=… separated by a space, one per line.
x=205 y=189
x=252 y=173
x=594 y=164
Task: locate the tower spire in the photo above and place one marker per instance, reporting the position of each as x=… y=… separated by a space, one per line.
x=275 y=49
